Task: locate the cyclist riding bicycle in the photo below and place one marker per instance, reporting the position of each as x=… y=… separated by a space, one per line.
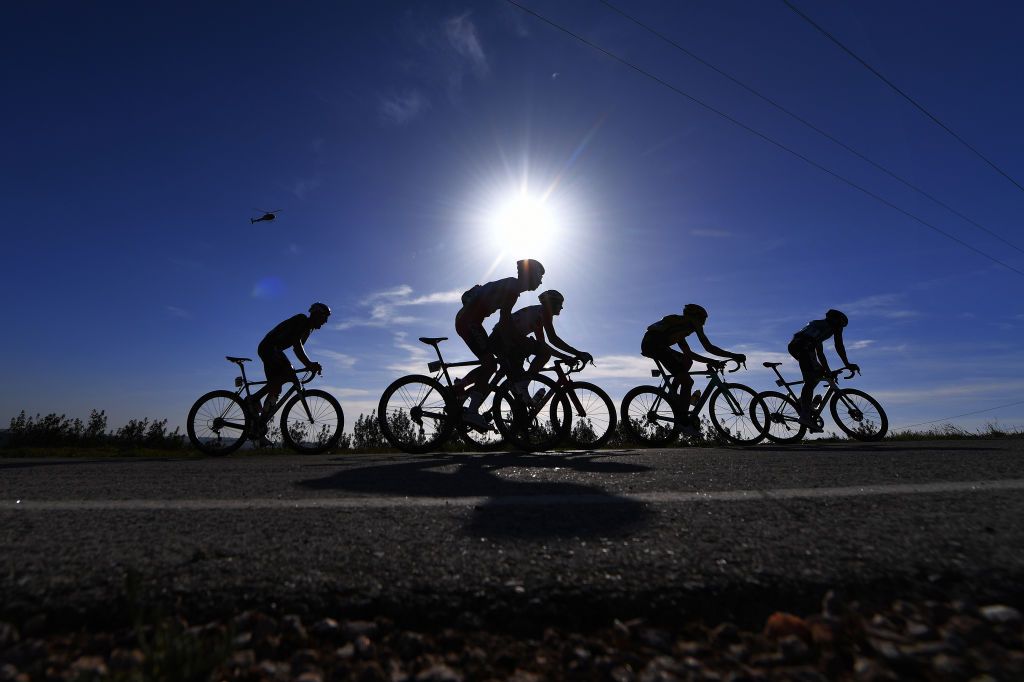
x=807 y=347
x=291 y=333
x=673 y=329
x=512 y=340
x=479 y=303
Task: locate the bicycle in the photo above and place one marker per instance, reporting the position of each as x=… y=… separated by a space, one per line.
x=593 y=412
x=418 y=413
x=858 y=414
x=654 y=415
x=221 y=421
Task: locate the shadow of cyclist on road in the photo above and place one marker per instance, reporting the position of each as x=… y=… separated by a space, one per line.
x=529 y=494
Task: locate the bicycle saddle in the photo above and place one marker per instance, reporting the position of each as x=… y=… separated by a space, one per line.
x=238 y=360
x=769 y=365
x=432 y=341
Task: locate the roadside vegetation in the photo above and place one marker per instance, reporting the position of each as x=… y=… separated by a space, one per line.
x=59 y=435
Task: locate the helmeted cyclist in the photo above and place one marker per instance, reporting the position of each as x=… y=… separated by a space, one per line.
x=807 y=347
x=479 y=303
x=673 y=330
x=512 y=340
x=291 y=333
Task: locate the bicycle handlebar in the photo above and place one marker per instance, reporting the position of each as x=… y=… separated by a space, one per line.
x=312 y=374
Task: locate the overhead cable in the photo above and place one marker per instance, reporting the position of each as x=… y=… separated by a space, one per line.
x=761 y=135
x=807 y=123
x=965 y=414
x=901 y=93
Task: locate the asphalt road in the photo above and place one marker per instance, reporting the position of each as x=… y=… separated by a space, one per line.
x=573 y=536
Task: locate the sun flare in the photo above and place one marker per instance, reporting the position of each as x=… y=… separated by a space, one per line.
x=524 y=225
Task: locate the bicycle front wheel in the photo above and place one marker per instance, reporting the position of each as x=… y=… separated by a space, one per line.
x=593 y=415
x=538 y=420
x=858 y=414
x=649 y=417
x=312 y=422
x=218 y=423
x=415 y=414
x=732 y=409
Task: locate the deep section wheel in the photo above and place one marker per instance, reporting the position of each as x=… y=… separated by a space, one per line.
x=858 y=414
x=415 y=415
x=648 y=416
x=732 y=414
x=312 y=422
x=218 y=423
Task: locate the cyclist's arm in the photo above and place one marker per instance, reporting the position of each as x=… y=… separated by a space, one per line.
x=841 y=349
x=685 y=348
x=819 y=350
x=539 y=333
x=300 y=353
x=712 y=348
x=556 y=341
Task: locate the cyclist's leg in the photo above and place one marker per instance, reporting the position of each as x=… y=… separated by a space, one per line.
x=540 y=354
x=476 y=340
x=810 y=370
x=278 y=370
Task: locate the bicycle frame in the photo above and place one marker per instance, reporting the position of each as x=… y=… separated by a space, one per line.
x=243 y=384
x=715 y=382
x=830 y=379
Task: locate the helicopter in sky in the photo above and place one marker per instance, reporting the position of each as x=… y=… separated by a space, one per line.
x=267 y=215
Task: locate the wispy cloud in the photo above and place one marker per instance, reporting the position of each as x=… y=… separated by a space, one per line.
x=889 y=306
x=982 y=389
x=860 y=344
x=717 y=234
x=462 y=36
x=401 y=108
x=385 y=306
x=303 y=186
x=175 y=311
x=338 y=360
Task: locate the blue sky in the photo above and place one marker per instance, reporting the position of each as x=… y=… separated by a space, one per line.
x=140 y=138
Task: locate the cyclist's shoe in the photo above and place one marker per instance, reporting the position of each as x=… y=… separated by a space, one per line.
x=690 y=425
x=264 y=442
x=695 y=398
x=474 y=419
x=459 y=387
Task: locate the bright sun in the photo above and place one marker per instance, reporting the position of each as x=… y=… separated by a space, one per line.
x=524 y=226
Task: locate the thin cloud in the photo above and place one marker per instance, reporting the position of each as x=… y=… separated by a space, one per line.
x=175 y=311
x=716 y=234
x=339 y=360
x=978 y=389
x=303 y=186
x=383 y=306
x=463 y=38
x=401 y=109
x=880 y=305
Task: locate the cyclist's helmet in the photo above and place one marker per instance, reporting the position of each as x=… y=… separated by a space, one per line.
x=531 y=267
x=837 y=317
x=694 y=310
x=320 y=309
x=551 y=298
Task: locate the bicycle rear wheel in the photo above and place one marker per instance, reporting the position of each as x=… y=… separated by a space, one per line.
x=316 y=431
x=415 y=414
x=483 y=441
x=858 y=414
x=592 y=427
x=783 y=417
x=538 y=422
x=218 y=423
x=649 y=416
x=732 y=409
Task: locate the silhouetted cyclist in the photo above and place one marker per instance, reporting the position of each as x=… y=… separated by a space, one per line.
x=673 y=329
x=291 y=333
x=512 y=342
x=479 y=303
x=808 y=348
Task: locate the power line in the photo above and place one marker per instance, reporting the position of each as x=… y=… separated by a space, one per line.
x=900 y=92
x=761 y=135
x=807 y=123
x=965 y=414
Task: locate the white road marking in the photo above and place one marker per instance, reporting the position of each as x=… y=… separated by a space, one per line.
x=383 y=502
